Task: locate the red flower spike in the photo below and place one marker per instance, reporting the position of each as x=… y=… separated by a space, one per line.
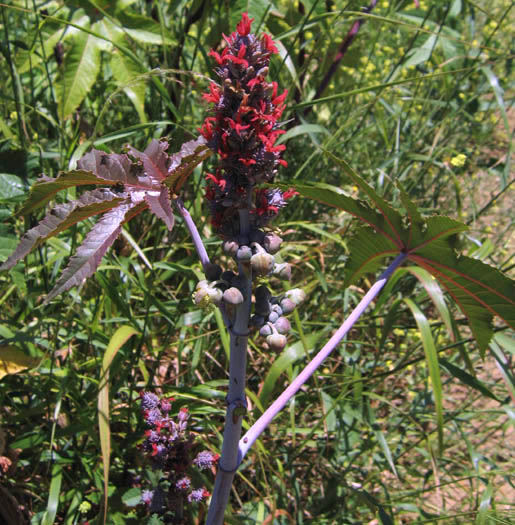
x=269 y=44
x=280 y=99
x=288 y=194
x=247 y=162
x=214 y=94
x=219 y=59
x=244 y=26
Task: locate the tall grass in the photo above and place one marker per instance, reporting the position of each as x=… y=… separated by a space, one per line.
x=418 y=87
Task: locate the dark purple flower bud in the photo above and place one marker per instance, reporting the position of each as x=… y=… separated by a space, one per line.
x=265 y=330
x=230 y=247
x=244 y=253
x=213 y=272
x=283 y=271
x=272 y=243
x=282 y=325
x=205 y=459
x=276 y=341
x=166 y=404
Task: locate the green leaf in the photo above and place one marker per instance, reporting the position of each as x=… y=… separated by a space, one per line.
x=432 y=364
x=480 y=290
x=80 y=70
x=467 y=379
x=291 y=354
x=11 y=187
x=53 y=496
x=128 y=76
x=119 y=338
x=143 y=29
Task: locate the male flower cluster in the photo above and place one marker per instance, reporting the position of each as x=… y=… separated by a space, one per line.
x=169 y=447
x=244 y=131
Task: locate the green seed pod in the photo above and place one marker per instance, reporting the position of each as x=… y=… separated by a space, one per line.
x=230 y=247
x=282 y=325
x=262 y=263
x=287 y=306
x=283 y=271
x=233 y=296
x=244 y=253
x=276 y=341
x=296 y=295
x=213 y=271
x=272 y=243
x=265 y=330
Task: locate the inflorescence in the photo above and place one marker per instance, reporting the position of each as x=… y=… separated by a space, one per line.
x=169 y=447
x=243 y=132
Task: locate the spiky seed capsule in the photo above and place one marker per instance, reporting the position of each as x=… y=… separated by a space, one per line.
x=233 y=296
x=244 y=253
x=276 y=341
x=262 y=263
x=213 y=271
x=287 y=306
x=265 y=330
x=272 y=243
x=282 y=325
x=230 y=247
x=296 y=295
x=283 y=271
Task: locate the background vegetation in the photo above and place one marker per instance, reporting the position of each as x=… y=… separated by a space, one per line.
x=424 y=96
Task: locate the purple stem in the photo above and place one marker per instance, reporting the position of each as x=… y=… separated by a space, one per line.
x=253 y=433
x=344 y=46
x=195 y=237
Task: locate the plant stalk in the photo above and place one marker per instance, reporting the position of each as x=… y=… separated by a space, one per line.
x=236 y=402
x=195 y=236
x=259 y=426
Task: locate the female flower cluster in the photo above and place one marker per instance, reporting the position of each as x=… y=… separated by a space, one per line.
x=244 y=131
x=169 y=447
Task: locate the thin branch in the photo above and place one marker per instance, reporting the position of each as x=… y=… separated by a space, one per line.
x=260 y=425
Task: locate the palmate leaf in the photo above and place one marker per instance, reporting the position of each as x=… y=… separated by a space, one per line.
x=46 y=188
x=141 y=180
x=82 y=64
x=480 y=291
x=62 y=217
x=89 y=254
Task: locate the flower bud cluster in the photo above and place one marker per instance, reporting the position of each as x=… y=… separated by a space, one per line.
x=169 y=447
x=244 y=131
x=269 y=314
